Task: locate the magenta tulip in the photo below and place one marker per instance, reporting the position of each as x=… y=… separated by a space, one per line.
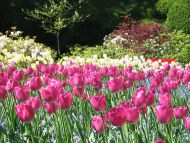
x=132 y=115
x=34 y=83
x=34 y=102
x=180 y=112
x=51 y=107
x=117 y=116
x=140 y=98
x=65 y=100
x=21 y=93
x=164 y=113
x=98 y=102
x=115 y=84
x=50 y=93
x=187 y=123
x=164 y=98
x=159 y=141
x=25 y=112
x=3 y=93
x=99 y=123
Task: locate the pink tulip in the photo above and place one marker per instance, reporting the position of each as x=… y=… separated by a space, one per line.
x=10 y=70
x=51 y=107
x=29 y=71
x=187 y=123
x=164 y=113
x=3 y=78
x=78 y=91
x=50 y=93
x=34 y=83
x=143 y=110
x=98 y=102
x=99 y=123
x=3 y=93
x=140 y=98
x=76 y=80
x=180 y=112
x=150 y=99
x=11 y=84
x=159 y=141
x=34 y=102
x=65 y=100
x=84 y=97
x=25 y=112
x=18 y=75
x=164 y=89
x=21 y=93
x=164 y=98
x=154 y=81
x=167 y=67
x=115 y=84
x=117 y=116
x=132 y=115
x=186 y=78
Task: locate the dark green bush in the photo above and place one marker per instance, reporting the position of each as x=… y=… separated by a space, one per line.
x=178 y=16
x=184 y=56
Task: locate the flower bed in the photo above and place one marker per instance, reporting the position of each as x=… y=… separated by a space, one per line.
x=23 y=51
x=57 y=103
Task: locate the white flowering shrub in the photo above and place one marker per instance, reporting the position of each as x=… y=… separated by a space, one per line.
x=23 y=51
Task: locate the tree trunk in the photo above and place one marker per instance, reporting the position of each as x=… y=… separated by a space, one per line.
x=58 y=44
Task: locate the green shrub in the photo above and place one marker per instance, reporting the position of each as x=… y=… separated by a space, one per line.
x=164 y=5
x=178 y=16
x=184 y=56
x=111 y=51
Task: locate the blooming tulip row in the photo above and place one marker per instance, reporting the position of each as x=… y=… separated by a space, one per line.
x=57 y=103
x=139 y=63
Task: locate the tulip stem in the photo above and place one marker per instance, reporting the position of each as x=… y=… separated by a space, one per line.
x=104 y=135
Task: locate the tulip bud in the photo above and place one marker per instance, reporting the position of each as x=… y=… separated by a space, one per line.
x=50 y=93
x=159 y=141
x=132 y=114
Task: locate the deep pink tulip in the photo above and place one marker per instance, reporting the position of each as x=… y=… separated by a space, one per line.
x=29 y=71
x=159 y=141
x=18 y=75
x=78 y=91
x=98 y=102
x=143 y=110
x=164 y=98
x=117 y=116
x=3 y=93
x=132 y=114
x=150 y=99
x=125 y=104
x=76 y=80
x=84 y=97
x=35 y=83
x=10 y=70
x=164 y=113
x=173 y=84
x=180 y=112
x=50 y=93
x=167 y=67
x=25 y=112
x=140 y=98
x=11 y=84
x=172 y=73
x=21 y=93
x=51 y=107
x=3 y=78
x=115 y=84
x=99 y=123
x=187 y=123
x=164 y=89
x=35 y=102
x=65 y=100
x=154 y=81
x=186 y=78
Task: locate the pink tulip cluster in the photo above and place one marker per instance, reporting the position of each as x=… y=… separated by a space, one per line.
x=54 y=86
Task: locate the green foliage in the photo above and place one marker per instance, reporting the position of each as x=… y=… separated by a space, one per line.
x=163 y=6
x=184 y=56
x=178 y=17
x=111 y=51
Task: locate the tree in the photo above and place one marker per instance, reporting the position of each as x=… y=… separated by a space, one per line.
x=55 y=15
